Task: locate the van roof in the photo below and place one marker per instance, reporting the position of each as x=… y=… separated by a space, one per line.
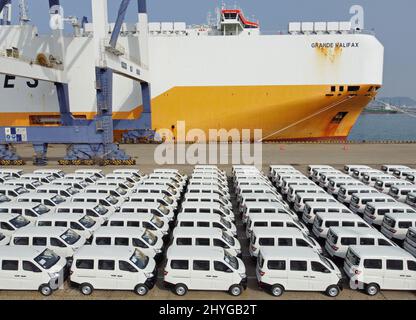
x=394 y=166
x=315 y=195
x=76 y=205
x=210 y=205
x=89 y=170
x=325 y=205
x=387 y=205
x=87 y=195
x=338 y=215
x=140 y=205
x=288 y=253
x=359 y=187
x=400 y=216
x=198 y=217
x=265 y=205
x=35 y=175
x=152 y=187
x=19 y=205
x=43 y=231
x=127 y=170
x=272 y=232
x=61 y=216
x=99 y=252
x=373 y=195
x=405 y=187
x=353 y=166
x=202 y=196
x=9 y=187
x=47 y=170
x=36 y=195
x=305 y=187
x=196 y=231
x=354 y=231
x=259 y=196
x=271 y=216
x=63 y=180
x=11 y=170
x=119 y=231
x=52 y=186
x=20 y=252
x=101 y=187
x=131 y=217
x=380 y=251
x=194 y=252
x=8 y=216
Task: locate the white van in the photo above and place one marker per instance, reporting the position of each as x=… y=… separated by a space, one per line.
x=259 y=198
x=370 y=179
x=15 y=173
x=29 y=268
x=70 y=183
x=266 y=207
x=191 y=207
x=64 y=191
x=208 y=183
x=411 y=199
x=411 y=178
x=205 y=197
x=82 y=224
x=345 y=192
x=110 y=202
x=115 y=191
x=380 y=268
x=312 y=167
x=134 y=172
x=323 y=221
x=153 y=198
x=294 y=190
x=273 y=220
x=123 y=176
x=85 y=177
x=384 y=185
x=4 y=198
x=57 y=173
x=98 y=173
x=340 y=238
x=278 y=178
x=324 y=177
x=317 y=173
x=312 y=208
x=298 y=181
x=214 y=177
x=47 y=199
x=63 y=241
x=311 y=196
x=359 y=201
x=400 y=192
x=10 y=222
x=284 y=237
x=403 y=173
x=113 y=268
x=410 y=241
x=144 y=240
x=30 y=210
x=335 y=184
x=256 y=190
x=207 y=189
x=374 y=212
x=359 y=173
x=240 y=184
x=175 y=172
x=209 y=220
x=199 y=237
x=119 y=182
x=165 y=179
x=396 y=225
x=97 y=212
x=156 y=209
x=43 y=178
x=297 y=269
x=12 y=191
x=144 y=220
x=204 y=268
x=349 y=168
x=391 y=168
x=27 y=184
x=162 y=190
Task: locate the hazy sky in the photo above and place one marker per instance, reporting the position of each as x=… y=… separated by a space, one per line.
x=393 y=22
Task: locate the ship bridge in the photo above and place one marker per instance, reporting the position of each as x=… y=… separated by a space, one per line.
x=233 y=22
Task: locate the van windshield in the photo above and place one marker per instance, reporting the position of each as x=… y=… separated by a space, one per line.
x=72 y=191
x=411 y=235
x=139 y=259
x=226 y=223
x=168 y=200
x=101 y=210
x=171 y=190
x=19 y=222
x=121 y=191
x=87 y=222
x=58 y=199
x=41 y=209
x=411 y=198
x=157 y=222
x=47 y=259
x=2 y=236
x=21 y=190
x=163 y=209
x=149 y=237
x=70 y=237
x=353 y=258
x=390 y=222
x=326 y=262
x=113 y=200
x=227 y=238
x=36 y=183
x=4 y=198
x=231 y=260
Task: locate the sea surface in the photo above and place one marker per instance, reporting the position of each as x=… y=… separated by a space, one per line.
x=384 y=127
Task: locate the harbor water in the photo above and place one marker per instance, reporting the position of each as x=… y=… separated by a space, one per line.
x=384 y=127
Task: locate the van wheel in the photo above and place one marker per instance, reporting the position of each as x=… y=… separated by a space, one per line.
x=372 y=289
x=141 y=289
x=277 y=290
x=235 y=290
x=45 y=290
x=86 y=289
x=181 y=289
x=332 y=291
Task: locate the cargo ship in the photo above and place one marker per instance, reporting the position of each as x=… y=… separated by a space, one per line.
x=309 y=83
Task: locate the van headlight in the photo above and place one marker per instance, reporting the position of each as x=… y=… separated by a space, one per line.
x=54 y=275
x=148 y=275
x=243 y=275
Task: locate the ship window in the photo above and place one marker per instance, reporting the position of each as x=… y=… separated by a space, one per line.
x=339 y=117
x=341 y=88
x=333 y=88
x=353 y=88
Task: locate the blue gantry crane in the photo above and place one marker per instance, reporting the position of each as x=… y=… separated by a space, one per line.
x=88 y=141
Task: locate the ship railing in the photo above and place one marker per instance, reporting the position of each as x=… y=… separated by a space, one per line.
x=48 y=62
x=286 y=32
